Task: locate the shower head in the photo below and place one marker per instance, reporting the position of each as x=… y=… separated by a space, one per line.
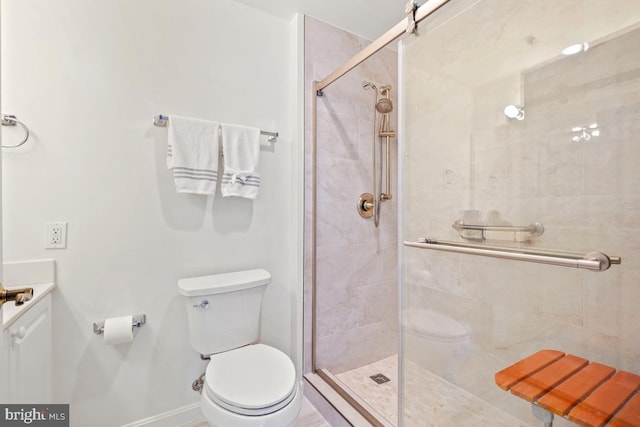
x=368 y=85
x=384 y=106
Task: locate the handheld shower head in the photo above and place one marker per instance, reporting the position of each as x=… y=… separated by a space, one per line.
x=368 y=85
x=384 y=106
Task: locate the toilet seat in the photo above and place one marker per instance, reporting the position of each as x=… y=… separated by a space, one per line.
x=252 y=380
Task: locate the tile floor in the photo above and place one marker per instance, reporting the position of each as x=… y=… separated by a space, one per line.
x=429 y=399
x=383 y=397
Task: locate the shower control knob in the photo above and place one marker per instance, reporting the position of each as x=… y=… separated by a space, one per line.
x=203 y=304
x=366 y=205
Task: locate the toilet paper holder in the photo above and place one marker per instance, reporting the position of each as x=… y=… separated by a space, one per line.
x=137 y=320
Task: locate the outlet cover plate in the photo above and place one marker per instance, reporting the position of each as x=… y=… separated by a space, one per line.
x=55 y=235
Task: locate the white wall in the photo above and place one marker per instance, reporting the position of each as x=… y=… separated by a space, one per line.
x=4 y=388
x=87 y=77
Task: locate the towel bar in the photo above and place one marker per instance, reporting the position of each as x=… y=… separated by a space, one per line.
x=594 y=261
x=162 y=121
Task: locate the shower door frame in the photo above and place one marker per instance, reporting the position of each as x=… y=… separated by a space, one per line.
x=406 y=26
x=380 y=43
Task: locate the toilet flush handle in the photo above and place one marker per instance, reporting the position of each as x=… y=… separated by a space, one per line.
x=203 y=304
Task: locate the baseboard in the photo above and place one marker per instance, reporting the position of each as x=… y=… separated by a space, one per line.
x=176 y=417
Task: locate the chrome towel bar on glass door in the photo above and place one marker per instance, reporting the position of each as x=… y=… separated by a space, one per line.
x=594 y=261
x=162 y=120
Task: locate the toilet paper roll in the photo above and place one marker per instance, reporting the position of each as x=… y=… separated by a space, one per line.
x=118 y=330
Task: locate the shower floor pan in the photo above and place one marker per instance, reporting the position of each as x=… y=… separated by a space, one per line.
x=439 y=402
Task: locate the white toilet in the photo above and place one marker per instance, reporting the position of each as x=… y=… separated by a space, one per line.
x=246 y=384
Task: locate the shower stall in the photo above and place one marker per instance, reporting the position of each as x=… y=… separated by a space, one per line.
x=351 y=265
x=518 y=224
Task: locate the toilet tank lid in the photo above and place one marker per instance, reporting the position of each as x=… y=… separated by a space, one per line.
x=224 y=282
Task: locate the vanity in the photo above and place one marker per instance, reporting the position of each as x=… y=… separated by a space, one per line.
x=27 y=332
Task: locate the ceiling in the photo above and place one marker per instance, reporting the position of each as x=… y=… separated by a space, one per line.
x=366 y=18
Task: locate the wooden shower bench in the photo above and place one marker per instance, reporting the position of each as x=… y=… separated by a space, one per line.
x=589 y=394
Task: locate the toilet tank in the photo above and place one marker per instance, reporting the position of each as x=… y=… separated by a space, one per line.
x=223 y=310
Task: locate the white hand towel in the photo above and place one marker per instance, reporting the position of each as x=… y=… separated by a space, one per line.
x=241 y=152
x=192 y=154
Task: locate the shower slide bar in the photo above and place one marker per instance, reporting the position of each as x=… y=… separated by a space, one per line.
x=594 y=261
x=162 y=121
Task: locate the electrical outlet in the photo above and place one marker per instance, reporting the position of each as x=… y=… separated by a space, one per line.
x=56 y=235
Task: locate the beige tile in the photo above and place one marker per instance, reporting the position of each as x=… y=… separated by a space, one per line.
x=355 y=260
x=382 y=397
x=429 y=399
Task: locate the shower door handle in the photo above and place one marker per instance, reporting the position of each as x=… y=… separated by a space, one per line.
x=594 y=261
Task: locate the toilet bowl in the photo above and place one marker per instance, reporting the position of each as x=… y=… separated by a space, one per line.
x=251 y=386
x=246 y=384
x=434 y=341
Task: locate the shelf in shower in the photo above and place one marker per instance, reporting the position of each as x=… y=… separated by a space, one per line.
x=535 y=229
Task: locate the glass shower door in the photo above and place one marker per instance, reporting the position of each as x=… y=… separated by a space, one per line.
x=520 y=124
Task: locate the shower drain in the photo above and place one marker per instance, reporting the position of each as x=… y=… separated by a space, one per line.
x=379 y=378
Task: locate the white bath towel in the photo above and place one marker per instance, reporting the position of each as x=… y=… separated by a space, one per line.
x=192 y=154
x=241 y=148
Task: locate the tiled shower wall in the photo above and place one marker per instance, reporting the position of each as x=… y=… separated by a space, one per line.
x=585 y=193
x=356 y=263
